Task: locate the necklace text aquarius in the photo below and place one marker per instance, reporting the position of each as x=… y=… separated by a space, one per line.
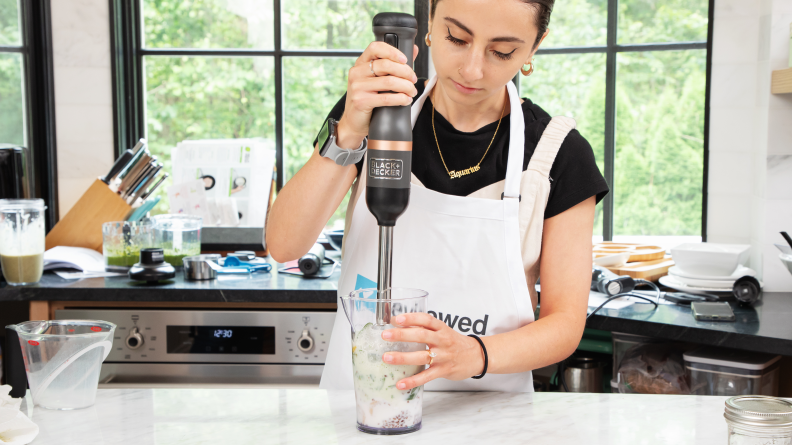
x=459 y=173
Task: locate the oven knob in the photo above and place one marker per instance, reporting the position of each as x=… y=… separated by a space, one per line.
x=135 y=339
x=305 y=342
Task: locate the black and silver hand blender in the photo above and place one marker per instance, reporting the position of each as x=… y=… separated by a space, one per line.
x=389 y=157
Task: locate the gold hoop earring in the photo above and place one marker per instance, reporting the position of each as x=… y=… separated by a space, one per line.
x=428 y=39
x=529 y=71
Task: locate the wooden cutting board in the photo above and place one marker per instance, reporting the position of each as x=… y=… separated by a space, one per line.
x=638 y=252
x=647 y=270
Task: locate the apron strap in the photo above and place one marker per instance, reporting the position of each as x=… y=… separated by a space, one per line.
x=546 y=150
x=416 y=107
x=514 y=166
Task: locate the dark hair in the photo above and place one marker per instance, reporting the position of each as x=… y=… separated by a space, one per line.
x=543 y=10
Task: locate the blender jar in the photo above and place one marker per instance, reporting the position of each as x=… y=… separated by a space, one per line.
x=381 y=407
x=179 y=236
x=122 y=241
x=22 y=240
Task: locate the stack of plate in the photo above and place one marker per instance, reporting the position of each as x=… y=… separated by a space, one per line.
x=682 y=280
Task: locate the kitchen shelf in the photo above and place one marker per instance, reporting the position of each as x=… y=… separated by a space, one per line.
x=782 y=81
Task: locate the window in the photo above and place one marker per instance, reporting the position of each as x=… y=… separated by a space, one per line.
x=235 y=69
x=26 y=93
x=633 y=73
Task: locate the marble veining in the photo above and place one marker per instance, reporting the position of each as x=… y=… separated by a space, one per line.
x=313 y=416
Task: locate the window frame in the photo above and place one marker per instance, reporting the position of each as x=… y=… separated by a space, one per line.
x=39 y=100
x=129 y=97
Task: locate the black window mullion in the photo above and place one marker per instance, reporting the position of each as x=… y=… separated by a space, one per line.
x=610 y=119
x=279 y=117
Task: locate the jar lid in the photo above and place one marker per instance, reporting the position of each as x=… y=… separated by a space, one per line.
x=759 y=411
x=22 y=204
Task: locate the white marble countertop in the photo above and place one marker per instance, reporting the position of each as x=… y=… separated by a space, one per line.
x=313 y=416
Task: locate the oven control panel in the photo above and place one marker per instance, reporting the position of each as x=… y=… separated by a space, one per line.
x=207 y=336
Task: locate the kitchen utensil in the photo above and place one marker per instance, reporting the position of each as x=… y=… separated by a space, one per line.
x=787 y=260
x=197 y=269
x=152 y=266
x=123 y=161
x=154 y=187
x=646 y=270
x=740 y=272
x=22 y=240
x=710 y=258
x=141 y=177
x=145 y=207
x=787 y=238
x=243 y=255
x=251 y=267
x=148 y=180
x=611 y=260
x=717 y=371
x=582 y=374
x=137 y=165
x=638 y=252
x=311 y=263
x=382 y=408
x=747 y=290
x=783 y=248
x=63 y=359
x=390 y=153
x=178 y=235
x=15 y=178
x=758 y=419
x=122 y=241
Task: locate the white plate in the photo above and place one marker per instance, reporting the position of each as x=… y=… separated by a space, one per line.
x=739 y=273
x=670 y=281
x=726 y=285
x=615 y=260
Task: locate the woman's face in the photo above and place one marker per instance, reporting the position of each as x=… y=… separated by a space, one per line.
x=479 y=45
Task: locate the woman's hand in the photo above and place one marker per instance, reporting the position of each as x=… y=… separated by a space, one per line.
x=458 y=356
x=363 y=87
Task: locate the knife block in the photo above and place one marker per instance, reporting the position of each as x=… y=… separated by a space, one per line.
x=82 y=226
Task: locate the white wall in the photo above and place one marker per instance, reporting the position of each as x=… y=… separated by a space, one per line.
x=750 y=169
x=83 y=95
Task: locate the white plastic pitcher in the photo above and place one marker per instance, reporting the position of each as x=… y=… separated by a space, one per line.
x=63 y=359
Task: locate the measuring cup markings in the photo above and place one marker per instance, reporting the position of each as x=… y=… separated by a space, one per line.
x=33 y=343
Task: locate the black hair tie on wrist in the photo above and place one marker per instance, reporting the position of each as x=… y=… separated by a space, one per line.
x=486 y=359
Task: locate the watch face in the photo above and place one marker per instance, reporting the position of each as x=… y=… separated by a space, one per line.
x=324 y=135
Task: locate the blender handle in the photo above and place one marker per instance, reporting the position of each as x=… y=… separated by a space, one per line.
x=107 y=347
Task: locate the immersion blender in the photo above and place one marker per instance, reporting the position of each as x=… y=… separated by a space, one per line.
x=389 y=157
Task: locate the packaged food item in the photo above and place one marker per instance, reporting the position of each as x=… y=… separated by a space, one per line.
x=652 y=369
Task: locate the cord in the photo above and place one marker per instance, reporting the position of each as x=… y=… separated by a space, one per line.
x=638 y=282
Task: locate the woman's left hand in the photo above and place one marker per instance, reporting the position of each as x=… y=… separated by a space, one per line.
x=458 y=356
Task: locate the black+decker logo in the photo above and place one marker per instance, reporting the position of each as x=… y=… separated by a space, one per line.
x=386 y=168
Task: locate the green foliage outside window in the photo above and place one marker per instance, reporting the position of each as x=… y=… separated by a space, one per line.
x=12 y=108
x=660 y=95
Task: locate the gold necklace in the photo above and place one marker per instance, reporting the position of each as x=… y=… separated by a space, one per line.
x=458 y=174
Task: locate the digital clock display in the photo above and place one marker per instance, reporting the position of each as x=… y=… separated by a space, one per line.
x=221 y=339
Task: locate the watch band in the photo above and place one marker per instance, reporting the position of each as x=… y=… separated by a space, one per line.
x=345 y=156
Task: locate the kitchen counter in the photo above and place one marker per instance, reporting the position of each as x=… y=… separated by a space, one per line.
x=312 y=416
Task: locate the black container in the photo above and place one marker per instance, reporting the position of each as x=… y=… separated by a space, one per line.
x=14 y=175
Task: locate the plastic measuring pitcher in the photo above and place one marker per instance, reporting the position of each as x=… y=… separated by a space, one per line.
x=381 y=407
x=63 y=359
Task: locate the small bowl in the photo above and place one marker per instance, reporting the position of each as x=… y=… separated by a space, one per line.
x=196 y=269
x=710 y=259
x=787 y=260
x=335 y=238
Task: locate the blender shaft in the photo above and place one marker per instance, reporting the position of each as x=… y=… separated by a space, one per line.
x=384 y=274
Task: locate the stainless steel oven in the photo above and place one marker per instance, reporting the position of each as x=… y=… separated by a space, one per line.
x=212 y=347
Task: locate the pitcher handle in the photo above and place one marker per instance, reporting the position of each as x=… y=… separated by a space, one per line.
x=108 y=346
x=344 y=306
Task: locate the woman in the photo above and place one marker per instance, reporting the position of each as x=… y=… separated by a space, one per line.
x=499 y=193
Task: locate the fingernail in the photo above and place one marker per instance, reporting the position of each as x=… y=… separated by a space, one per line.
x=400 y=319
x=403 y=58
x=387 y=335
x=401 y=385
x=415 y=78
x=415 y=92
x=388 y=358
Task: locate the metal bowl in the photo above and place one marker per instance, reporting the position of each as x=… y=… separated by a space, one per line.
x=197 y=269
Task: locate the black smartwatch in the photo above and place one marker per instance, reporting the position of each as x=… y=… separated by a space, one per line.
x=329 y=149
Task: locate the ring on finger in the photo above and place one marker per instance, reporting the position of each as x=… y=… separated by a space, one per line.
x=371 y=68
x=432 y=355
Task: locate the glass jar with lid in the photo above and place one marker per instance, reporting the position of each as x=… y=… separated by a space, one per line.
x=758 y=420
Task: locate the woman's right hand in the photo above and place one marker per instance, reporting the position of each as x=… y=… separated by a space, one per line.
x=363 y=87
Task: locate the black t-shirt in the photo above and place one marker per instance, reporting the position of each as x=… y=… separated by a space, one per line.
x=574 y=175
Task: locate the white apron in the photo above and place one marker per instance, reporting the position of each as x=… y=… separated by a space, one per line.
x=465 y=252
